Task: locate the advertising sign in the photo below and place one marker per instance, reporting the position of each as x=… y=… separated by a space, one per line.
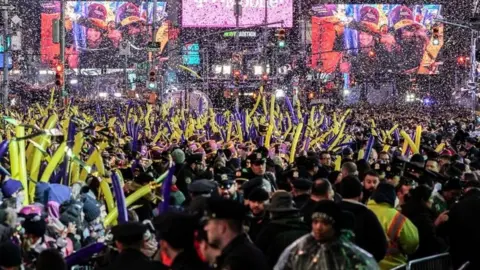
x=374 y=38
x=220 y=13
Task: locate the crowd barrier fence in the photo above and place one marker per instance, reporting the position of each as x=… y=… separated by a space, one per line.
x=436 y=262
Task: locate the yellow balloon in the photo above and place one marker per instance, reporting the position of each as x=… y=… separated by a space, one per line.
x=22 y=163
x=52 y=165
x=293 y=149
x=409 y=141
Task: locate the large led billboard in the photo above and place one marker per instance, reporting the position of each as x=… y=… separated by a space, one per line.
x=96 y=30
x=376 y=38
x=220 y=13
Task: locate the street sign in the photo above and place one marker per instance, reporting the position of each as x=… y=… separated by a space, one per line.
x=153 y=46
x=16 y=20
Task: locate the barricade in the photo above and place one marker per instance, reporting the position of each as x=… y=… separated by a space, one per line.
x=436 y=262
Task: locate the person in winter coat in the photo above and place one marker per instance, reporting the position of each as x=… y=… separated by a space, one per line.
x=129 y=240
x=284 y=228
x=462 y=227
x=368 y=231
x=418 y=209
x=325 y=248
x=402 y=235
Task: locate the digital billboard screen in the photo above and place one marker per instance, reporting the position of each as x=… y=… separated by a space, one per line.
x=220 y=13
x=376 y=38
x=96 y=31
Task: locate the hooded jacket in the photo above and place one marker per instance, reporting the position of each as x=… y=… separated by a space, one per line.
x=278 y=235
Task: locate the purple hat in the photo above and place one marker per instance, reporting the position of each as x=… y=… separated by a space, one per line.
x=325 y=10
x=128 y=14
x=402 y=16
x=370 y=17
x=97 y=11
x=10 y=187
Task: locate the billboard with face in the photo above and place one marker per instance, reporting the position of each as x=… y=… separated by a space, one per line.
x=97 y=30
x=376 y=38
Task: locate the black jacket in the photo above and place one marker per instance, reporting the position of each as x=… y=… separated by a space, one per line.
x=134 y=259
x=188 y=260
x=423 y=218
x=278 y=235
x=256 y=224
x=301 y=200
x=369 y=234
x=463 y=232
x=185 y=177
x=241 y=254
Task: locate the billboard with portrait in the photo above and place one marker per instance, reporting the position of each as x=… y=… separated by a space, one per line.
x=97 y=31
x=220 y=13
x=376 y=38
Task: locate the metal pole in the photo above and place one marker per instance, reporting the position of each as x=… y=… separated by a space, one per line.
x=265 y=37
x=62 y=45
x=473 y=66
x=5 y=54
x=237 y=41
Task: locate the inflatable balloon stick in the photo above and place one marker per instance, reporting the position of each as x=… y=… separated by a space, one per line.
x=368 y=150
x=271 y=126
x=120 y=199
x=14 y=166
x=166 y=189
x=22 y=163
x=418 y=137
x=112 y=215
x=54 y=162
x=338 y=163
x=293 y=150
x=84 y=254
x=409 y=141
x=440 y=147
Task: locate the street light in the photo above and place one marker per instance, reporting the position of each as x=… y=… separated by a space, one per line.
x=410 y=98
x=117 y=95
x=103 y=95
x=73 y=81
x=346 y=92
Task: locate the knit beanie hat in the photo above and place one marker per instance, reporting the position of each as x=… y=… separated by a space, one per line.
x=385 y=193
x=11 y=186
x=91 y=208
x=178 y=156
x=35 y=225
x=329 y=211
x=11 y=255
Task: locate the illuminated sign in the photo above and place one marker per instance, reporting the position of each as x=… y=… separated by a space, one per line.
x=240 y=34
x=191 y=54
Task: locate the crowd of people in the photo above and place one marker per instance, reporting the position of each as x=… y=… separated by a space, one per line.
x=326 y=188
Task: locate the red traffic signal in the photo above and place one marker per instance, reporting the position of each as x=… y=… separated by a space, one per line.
x=371 y=53
x=265 y=77
x=236 y=73
x=461 y=60
x=59 y=75
x=151 y=76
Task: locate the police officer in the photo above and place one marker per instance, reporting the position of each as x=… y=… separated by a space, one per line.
x=198 y=191
x=301 y=191
x=258 y=169
x=228 y=187
x=129 y=240
x=176 y=233
x=194 y=166
x=224 y=226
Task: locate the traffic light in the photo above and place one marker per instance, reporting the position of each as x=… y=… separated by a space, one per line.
x=236 y=75
x=59 y=76
x=281 y=37
x=461 y=60
x=152 y=80
x=371 y=54
x=311 y=95
x=436 y=35
x=265 y=77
